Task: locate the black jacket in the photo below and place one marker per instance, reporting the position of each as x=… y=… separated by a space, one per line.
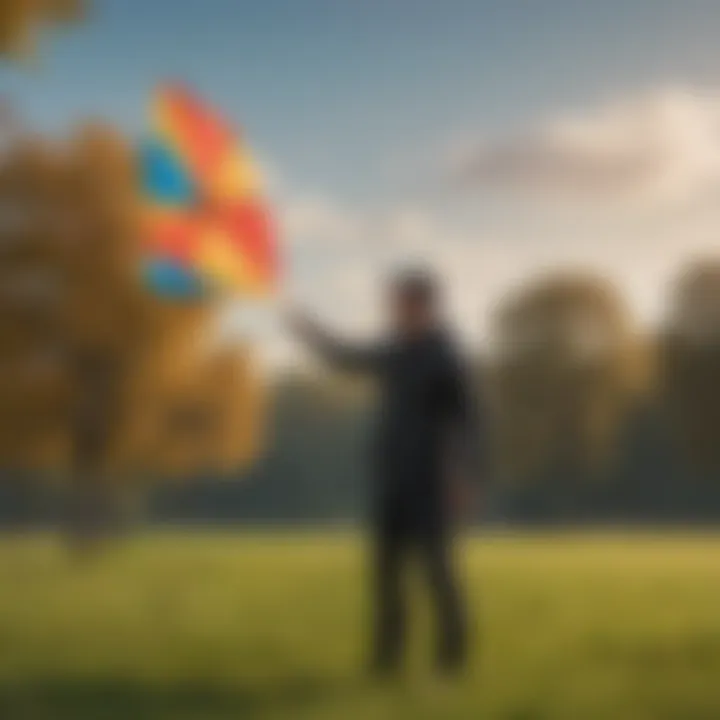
x=429 y=423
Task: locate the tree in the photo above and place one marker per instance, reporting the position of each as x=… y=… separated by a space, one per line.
x=21 y=22
x=690 y=363
x=100 y=381
x=31 y=386
x=202 y=422
x=565 y=365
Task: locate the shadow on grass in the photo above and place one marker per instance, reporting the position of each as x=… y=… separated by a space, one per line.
x=67 y=699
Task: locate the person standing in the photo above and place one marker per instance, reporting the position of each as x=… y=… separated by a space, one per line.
x=429 y=443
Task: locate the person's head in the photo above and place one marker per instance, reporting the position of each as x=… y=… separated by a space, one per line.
x=414 y=302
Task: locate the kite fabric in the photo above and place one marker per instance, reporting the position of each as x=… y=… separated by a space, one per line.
x=208 y=229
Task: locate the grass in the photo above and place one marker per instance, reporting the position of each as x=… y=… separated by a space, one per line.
x=214 y=626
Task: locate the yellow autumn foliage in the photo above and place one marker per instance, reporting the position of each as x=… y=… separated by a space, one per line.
x=82 y=339
x=22 y=21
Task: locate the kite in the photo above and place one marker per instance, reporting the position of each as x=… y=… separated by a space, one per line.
x=207 y=228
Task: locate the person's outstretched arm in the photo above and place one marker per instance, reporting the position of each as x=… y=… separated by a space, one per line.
x=351 y=357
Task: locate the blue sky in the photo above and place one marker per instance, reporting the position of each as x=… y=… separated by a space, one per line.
x=356 y=105
x=356 y=94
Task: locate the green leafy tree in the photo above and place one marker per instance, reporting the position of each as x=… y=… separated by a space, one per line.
x=565 y=366
x=690 y=367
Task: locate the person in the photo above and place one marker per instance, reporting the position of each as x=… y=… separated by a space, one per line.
x=429 y=435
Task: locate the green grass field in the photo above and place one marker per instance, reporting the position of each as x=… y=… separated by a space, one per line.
x=209 y=626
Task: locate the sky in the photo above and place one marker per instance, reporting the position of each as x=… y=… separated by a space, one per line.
x=492 y=140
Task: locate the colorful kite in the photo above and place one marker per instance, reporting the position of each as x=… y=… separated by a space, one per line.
x=208 y=230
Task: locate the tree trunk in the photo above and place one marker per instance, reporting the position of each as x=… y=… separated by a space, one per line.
x=92 y=506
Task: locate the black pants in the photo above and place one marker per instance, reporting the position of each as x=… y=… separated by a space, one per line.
x=399 y=539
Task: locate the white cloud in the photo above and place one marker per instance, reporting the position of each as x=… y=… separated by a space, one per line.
x=313 y=220
x=661 y=150
x=659 y=147
x=412 y=231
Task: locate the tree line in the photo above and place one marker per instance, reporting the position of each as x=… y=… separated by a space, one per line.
x=592 y=419
x=103 y=387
